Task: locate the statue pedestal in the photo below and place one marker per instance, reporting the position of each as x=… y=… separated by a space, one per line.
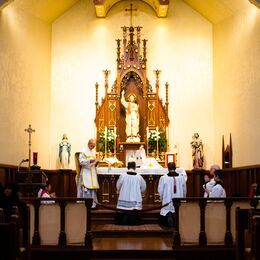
x=127 y=150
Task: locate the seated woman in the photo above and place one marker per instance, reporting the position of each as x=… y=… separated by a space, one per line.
x=217 y=190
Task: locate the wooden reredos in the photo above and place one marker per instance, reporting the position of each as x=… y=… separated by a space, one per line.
x=131 y=77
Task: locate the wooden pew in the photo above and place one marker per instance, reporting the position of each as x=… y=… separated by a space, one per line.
x=11 y=238
x=247 y=233
x=8 y=240
x=256 y=237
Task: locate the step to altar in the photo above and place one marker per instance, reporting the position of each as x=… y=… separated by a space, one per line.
x=107 y=216
x=146 y=230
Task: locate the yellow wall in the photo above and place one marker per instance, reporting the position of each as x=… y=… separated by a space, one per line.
x=237 y=85
x=47 y=78
x=180 y=46
x=24 y=85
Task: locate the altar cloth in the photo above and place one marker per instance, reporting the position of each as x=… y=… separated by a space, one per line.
x=142 y=171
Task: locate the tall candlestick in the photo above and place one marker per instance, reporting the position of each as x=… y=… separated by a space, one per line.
x=115 y=141
x=167 y=138
x=147 y=140
x=157 y=144
x=105 y=141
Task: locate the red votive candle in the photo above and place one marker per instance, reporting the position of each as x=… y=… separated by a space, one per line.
x=35 y=158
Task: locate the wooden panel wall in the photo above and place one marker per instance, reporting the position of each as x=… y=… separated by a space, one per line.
x=237 y=182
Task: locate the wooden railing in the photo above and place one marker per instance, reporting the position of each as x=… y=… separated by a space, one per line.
x=225 y=218
x=198 y=221
x=248 y=233
x=63 y=203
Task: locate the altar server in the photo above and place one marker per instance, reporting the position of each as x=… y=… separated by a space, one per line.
x=130 y=186
x=45 y=192
x=171 y=185
x=87 y=181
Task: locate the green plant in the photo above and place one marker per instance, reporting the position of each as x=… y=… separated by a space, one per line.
x=162 y=142
x=108 y=137
x=153 y=136
x=152 y=139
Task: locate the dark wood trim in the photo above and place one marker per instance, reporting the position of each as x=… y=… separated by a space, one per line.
x=62 y=235
x=88 y=235
x=202 y=235
x=176 y=233
x=237 y=182
x=228 y=234
x=36 y=240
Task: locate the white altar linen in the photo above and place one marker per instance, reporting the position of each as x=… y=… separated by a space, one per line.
x=142 y=171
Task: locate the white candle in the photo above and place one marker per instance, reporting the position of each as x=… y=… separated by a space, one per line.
x=157 y=143
x=167 y=138
x=115 y=141
x=105 y=132
x=105 y=141
x=147 y=143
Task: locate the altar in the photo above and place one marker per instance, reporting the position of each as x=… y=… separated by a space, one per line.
x=108 y=177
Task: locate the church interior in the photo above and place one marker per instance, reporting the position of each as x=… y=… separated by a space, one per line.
x=149 y=81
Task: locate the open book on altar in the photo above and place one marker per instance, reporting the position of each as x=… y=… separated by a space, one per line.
x=113 y=161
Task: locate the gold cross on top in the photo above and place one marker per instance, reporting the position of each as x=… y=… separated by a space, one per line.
x=131 y=13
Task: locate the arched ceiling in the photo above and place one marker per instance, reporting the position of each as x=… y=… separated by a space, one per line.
x=159 y=6
x=213 y=10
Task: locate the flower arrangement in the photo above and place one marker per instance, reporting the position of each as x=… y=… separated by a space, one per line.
x=153 y=136
x=108 y=136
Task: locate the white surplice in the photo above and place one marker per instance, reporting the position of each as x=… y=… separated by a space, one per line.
x=217 y=192
x=209 y=185
x=130 y=187
x=166 y=191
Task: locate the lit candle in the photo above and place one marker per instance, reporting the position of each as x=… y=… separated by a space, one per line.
x=147 y=135
x=157 y=143
x=167 y=138
x=115 y=141
x=105 y=132
x=105 y=141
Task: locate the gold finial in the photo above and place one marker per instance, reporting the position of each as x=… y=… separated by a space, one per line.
x=106 y=72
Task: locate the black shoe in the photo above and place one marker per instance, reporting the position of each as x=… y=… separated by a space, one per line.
x=170 y=222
